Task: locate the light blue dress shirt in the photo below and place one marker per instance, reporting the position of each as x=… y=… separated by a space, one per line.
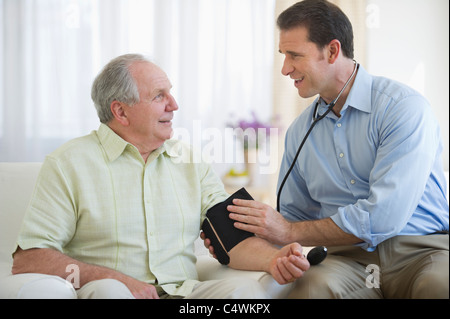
x=376 y=171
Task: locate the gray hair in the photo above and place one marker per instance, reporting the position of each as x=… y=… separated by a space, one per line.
x=115 y=83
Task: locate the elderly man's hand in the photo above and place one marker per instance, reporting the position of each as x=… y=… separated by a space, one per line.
x=288 y=264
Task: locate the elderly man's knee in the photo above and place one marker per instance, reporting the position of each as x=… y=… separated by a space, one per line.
x=47 y=287
x=247 y=288
x=105 y=289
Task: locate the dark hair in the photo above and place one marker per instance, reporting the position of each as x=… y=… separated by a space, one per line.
x=324 y=22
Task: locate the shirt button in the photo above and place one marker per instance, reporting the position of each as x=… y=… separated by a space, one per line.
x=339 y=125
x=341 y=155
x=352 y=181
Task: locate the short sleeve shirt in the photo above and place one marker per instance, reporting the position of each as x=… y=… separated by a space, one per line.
x=97 y=201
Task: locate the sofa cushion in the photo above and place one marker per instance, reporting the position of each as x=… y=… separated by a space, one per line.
x=16 y=186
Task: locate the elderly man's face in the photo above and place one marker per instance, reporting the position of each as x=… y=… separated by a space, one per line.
x=151 y=118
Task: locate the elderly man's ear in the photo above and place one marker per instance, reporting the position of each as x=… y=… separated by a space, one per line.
x=118 y=109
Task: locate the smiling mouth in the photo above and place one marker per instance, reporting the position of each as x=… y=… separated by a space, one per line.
x=298 y=81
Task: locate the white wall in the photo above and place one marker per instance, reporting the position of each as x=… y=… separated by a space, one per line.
x=407 y=40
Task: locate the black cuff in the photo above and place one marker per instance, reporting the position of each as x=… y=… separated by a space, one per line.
x=220 y=230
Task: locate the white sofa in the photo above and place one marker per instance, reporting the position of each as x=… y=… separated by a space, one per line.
x=16 y=185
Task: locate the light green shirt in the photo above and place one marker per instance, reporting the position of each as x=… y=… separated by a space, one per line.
x=97 y=201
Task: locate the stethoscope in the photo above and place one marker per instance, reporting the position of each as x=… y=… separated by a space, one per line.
x=319 y=253
x=316 y=118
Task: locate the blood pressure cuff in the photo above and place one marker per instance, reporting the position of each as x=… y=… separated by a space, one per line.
x=220 y=230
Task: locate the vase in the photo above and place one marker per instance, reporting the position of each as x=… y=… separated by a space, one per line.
x=251 y=165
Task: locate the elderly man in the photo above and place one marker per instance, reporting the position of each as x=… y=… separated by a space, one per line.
x=119 y=204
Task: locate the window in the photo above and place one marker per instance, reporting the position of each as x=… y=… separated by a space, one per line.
x=218 y=55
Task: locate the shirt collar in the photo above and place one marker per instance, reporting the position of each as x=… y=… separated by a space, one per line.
x=114 y=145
x=359 y=96
x=173 y=148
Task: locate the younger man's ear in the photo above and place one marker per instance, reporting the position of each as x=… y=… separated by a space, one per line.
x=333 y=51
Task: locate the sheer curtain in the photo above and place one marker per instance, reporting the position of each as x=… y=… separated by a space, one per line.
x=218 y=55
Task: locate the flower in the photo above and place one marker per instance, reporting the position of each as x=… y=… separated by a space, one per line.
x=251 y=133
